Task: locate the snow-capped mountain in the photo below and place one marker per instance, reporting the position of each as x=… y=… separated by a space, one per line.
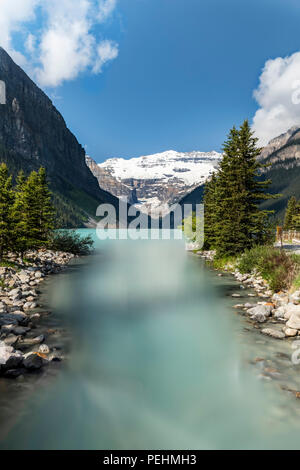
x=155 y=182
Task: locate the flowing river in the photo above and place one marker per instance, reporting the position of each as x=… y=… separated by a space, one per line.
x=158 y=359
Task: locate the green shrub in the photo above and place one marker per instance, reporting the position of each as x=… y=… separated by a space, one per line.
x=70 y=241
x=276 y=266
x=222 y=263
x=296 y=283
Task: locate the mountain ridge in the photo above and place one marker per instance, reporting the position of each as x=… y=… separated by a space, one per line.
x=33 y=133
x=155 y=182
x=282 y=157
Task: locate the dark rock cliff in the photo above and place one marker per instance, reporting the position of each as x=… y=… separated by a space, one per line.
x=34 y=134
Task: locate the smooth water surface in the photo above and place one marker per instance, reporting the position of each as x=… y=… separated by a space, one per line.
x=158 y=361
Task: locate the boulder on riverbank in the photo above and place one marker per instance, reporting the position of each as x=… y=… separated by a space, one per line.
x=273 y=333
x=283 y=307
x=260 y=313
x=18 y=297
x=294 y=317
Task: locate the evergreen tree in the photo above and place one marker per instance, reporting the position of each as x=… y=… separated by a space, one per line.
x=290 y=213
x=233 y=219
x=38 y=211
x=21 y=233
x=295 y=223
x=210 y=208
x=6 y=202
x=47 y=211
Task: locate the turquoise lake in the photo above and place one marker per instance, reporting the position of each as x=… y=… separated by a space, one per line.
x=158 y=360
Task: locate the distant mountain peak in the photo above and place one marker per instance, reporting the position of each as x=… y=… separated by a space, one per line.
x=155 y=182
x=283 y=147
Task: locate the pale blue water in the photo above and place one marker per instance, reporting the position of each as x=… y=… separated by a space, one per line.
x=156 y=362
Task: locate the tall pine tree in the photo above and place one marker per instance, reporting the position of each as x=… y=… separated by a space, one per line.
x=21 y=231
x=233 y=219
x=210 y=205
x=296 y=218
x=290 y=213
x=38 y=211
x=6 y=203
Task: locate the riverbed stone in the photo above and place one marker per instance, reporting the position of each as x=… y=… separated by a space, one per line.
x=11 y=339
x=23 y=276
x=20 y=330
x=14 y=373
x=7 y=328
x=290 y=332
x=295 y=297
x=55 y=356
x=14 y=361
x=3 y=307
x=280 y=312
x=44 y=349
x=5 y=352
x=29 y=305
x=294 y=319
x=35 y=316
x=9 y=358
x=290 y=308
x=273 y=333
x=11 y=318
x=33 y=361
x=31 y=341
x=260 y=313
x=16 y=293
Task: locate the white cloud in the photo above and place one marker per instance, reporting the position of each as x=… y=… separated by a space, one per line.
x=278 y=97
x=106 y=7
x=65 y=44
x=13 y=16
x=30 y=43
x=107 y=50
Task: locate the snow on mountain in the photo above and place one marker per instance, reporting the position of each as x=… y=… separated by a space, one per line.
x=190 y=168
x=155 y=182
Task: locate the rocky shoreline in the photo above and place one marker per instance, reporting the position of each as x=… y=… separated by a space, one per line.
x=277 y=314
x=21 y=351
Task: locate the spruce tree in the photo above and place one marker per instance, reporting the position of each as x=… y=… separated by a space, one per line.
x=210 y=211
x=47 y=211
x=290 y=213
x=38 y=209
x=21 y=233
x=295 y=223
x=234 y=221
x=6 y=202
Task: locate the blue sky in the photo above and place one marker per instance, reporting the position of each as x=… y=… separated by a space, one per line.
x=180 y=73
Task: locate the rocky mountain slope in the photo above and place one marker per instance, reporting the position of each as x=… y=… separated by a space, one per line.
x=33 y=134
x=155 y=182
x=283 y=156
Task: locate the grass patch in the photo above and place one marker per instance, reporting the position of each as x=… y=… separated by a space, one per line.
x=227 y=262
x=296 y=283
x=70 y=241
x=8 y=264
x=276 y=266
